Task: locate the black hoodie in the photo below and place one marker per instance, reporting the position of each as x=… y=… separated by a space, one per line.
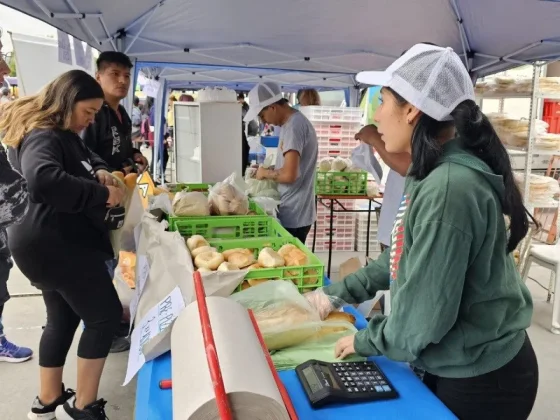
x=64 y=230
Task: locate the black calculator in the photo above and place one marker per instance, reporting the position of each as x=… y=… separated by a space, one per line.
x=343 y=382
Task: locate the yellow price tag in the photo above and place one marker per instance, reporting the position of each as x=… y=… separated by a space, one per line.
x=145 y=187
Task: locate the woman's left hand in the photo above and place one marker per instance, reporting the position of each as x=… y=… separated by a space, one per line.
x=345 y=347
x=105 y=178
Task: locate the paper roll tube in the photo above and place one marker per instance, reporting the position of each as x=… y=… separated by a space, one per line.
x=251 y=389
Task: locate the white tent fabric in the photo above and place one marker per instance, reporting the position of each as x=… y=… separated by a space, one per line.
x=311 y=35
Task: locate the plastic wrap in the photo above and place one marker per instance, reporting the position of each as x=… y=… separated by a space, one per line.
x=229 y=197
x=364 y=158
x=284 y=316
x=322 y=303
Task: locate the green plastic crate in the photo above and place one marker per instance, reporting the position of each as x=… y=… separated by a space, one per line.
x=341 y=183
x=230 y=227
x=254 y=207
x=190 y=187
x=307 y=278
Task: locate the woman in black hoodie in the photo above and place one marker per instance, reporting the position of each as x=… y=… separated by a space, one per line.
x=63 y=243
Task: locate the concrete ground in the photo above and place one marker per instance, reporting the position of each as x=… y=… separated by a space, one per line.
x=24 y=316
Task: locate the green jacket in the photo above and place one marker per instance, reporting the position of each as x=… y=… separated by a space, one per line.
x=458 y=305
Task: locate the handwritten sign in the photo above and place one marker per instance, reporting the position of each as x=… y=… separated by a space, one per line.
x=157 y=320
x=64 y=48
x=151 y=88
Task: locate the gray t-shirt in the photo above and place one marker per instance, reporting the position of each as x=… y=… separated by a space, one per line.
x=297 y=200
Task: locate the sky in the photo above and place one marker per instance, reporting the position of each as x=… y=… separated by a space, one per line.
x=14 y=21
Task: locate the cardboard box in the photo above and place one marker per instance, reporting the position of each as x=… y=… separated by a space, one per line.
x=350 y=266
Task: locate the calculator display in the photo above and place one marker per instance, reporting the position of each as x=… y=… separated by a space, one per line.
x=312 y=379
x=326 y=371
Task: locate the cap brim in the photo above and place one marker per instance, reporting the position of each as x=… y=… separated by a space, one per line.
x=252 y=113
x=373 y=78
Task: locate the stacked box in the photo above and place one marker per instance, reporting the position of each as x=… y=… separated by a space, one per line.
x=361 y=233
x=343 y=228
x=335 y=128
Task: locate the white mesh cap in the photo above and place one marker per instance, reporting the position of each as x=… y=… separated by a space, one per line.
x=261 y=96
x=433 y=79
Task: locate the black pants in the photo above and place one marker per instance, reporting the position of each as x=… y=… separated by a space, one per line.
x=300 y=232
x=506 y=394
x=90 y=297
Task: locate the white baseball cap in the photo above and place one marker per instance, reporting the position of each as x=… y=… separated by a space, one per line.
x=261 y=96
x=433 y=79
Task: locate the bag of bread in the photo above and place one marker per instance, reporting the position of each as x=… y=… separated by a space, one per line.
x=192 y=203
x=320 y=346
x=282 y=313
x=229 y=197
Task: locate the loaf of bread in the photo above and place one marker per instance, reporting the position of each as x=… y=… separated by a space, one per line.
x=269 y=258
x=340 y=316
x=196 y=241
x=229 y=252
x=241 y=259
x=197 y=251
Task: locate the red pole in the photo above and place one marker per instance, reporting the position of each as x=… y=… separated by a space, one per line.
x=279 y=384
x=211 y=354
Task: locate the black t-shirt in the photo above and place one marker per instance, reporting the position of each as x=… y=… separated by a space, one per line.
x=64 y=231
x=110 y=138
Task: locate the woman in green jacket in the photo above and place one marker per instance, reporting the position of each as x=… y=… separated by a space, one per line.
x=459 y=309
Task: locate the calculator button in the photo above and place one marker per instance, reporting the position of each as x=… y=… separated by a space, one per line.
x=367 y=383
x=379 y=389
x=360 y=383
x=371 y=389
x=382 y=383
x=368 y=368
x=364 y=389
x=353 y=374
x=386 y=388
x=343 y=369
x=352 y=384
x=379 y=378
x=337 y=369
x=350 y=390
x=356 y=390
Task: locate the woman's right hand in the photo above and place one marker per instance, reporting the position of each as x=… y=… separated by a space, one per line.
x=116 y=195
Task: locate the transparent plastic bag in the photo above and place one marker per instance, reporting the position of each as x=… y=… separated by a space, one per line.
x=320 y=346
x=284 y=316
x=322 y=303
x=364 y=158
x=229 y=197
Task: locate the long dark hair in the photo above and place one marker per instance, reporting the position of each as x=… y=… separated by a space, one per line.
x=476 y=134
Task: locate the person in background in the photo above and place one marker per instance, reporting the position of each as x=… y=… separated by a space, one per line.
x=5 y=95
x=63 y=245
x=13 y=207
x=186 y=98
x=171 y=115
x=309 y=97
x=296 y=159
x=136 y=121
x=110 y=137
x=244 y=143
x=459 y=309
x=166 y=145
x=110 y=134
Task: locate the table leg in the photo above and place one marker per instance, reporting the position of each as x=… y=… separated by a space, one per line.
x=368 y=227
x=330 y=239
x=315 y=227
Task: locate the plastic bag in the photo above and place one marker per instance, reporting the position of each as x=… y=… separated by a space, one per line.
x=364 y=158
x=282 y=313
x=190 y=204
x=229 y=197
x=257 y=152
x=268 y=204
x=322 y=303
x=320 y=346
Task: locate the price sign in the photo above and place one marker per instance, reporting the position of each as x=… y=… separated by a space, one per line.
x=145 y=187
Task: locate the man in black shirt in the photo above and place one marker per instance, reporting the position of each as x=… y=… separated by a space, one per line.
x=110 y=136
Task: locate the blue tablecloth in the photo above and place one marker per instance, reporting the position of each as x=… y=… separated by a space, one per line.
x=415 y=400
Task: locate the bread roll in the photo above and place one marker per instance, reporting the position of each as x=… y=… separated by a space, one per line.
x=256 y=266
x=340 y=316
x=204 y=270
x=269 y=258
x=209 y=260
x=130 y=181
x=196 y=241
x=256 y=282
x=245 y=285
x=197 y=251
x=286 y=249
x=228 y=252
x=227 y=266
x=296 y=258
x=241 y=259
